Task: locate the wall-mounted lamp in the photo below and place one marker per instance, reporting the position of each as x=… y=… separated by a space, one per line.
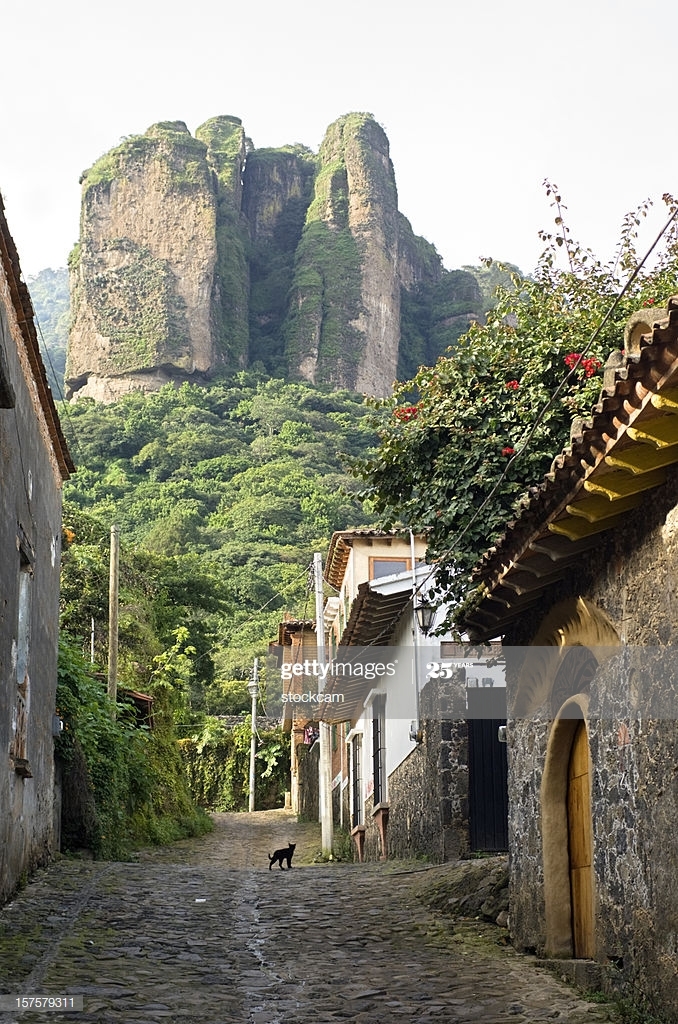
x=426 y=614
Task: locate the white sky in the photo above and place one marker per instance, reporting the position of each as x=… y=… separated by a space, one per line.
x=481 y=101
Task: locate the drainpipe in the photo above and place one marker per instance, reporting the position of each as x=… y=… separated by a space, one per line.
x=325 y=766
x=415 y=728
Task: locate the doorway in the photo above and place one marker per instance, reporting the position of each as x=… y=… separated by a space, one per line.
x=580 y=843
x=567 y=835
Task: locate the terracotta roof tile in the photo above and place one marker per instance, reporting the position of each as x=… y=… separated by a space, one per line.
x=616 y=454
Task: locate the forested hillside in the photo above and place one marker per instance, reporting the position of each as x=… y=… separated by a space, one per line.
x=221 y=496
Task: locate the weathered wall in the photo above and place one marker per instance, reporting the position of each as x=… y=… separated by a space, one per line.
x=309 y=770
x=227 y=148
x=428 y=796
x=632 y=579
x=30 y=514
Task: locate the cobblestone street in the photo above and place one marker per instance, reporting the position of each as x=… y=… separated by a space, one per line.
x=203 y=932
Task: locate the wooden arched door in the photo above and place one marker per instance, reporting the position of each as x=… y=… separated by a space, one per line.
x=580 y=841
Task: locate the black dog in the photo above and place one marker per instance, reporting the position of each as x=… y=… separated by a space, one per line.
x=286 y=853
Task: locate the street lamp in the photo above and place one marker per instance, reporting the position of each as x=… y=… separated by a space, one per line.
x=426 y=614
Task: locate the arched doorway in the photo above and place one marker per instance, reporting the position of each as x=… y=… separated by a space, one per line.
x=567 y=834
x=574 y=639
x=580 y=843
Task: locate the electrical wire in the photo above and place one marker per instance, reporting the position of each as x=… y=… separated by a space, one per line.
x=387 y=630
x=550 y=401
x=44 y=347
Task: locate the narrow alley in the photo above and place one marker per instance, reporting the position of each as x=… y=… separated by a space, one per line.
x=203 y=931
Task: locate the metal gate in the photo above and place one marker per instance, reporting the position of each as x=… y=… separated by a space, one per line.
x=487 y=771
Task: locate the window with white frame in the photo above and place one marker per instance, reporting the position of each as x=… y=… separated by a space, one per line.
x=356 y=780
x=379 y=748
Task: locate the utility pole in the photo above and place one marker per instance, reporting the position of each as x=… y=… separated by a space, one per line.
x=325 y=765
x=113 y=590
x=253 y=687
x=415 y=726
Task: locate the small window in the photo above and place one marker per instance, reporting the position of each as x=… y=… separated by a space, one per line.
x=380 y=567
x=23 y=640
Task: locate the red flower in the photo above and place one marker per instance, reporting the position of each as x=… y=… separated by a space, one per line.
x=512 y=385
x=649 y=302
x=508 y=450
x=590 y=366
x=408 y=412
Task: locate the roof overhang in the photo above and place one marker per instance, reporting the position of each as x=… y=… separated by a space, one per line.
x=374 y=616
x=627 y=449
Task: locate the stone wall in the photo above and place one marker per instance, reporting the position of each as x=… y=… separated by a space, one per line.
x=428 y=791
x=428 y=796
x=630 y=582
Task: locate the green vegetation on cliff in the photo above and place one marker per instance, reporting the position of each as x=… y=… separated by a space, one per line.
x=277 y=193
x=152 y=328
x=354 y=202
x=227 y=148
x=296 y=257
x=167 y=140
x=327 y=282
x=434 y=317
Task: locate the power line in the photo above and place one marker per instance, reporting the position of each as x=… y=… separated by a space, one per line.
x=550 y=401
x=386 y=631
x=63 y=403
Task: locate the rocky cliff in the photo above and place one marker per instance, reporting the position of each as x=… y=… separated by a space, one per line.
x=201 y=254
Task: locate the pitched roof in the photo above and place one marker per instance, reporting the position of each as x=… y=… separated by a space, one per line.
x=626 y=448
x=340 y=549
x=23 y=309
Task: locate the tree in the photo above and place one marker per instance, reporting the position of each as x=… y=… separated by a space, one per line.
x=221 y=495
x=468 y=436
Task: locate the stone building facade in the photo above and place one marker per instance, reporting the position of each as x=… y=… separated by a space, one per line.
x=583 y=587
x=34 y=461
